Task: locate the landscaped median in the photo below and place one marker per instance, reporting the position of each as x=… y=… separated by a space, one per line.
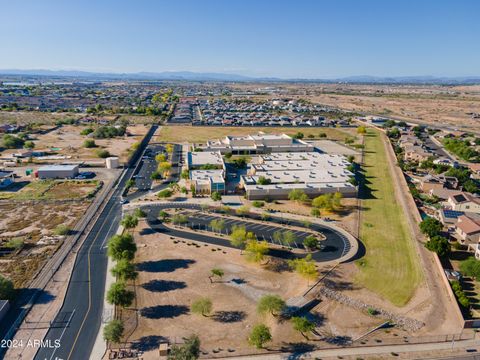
x=390 y=266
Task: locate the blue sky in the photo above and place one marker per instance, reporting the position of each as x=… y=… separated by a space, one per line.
x=296 y=38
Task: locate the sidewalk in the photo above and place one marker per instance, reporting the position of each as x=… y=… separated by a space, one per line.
x=377 y=351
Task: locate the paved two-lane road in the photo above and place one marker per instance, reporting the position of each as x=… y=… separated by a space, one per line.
x=78 y=322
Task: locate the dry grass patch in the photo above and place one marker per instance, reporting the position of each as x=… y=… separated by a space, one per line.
x=200 y=134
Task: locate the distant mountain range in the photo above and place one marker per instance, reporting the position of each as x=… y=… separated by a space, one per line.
x=213 y=76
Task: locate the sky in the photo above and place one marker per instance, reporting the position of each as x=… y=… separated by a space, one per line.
x=277 y=38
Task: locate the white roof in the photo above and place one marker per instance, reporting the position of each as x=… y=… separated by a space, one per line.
x=215 y=176
x=205 y=157
x=57 y=167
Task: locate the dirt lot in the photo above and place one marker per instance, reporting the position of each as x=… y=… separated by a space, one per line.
x=174 y=272
x=172 y=276
x=28 y=117
x=38 y=117
x=69 y=140
x=447 y=105
x=66 y=141
x=34 y=225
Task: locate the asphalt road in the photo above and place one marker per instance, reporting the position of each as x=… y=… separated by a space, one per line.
x=148 y=165
x=335 y=245
x=78 y=322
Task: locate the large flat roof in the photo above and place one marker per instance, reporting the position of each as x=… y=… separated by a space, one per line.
x=205 y=157
x=331 y=175
x=57 y=167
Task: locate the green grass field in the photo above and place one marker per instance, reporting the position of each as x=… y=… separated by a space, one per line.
x=200 y=134
x=390 y=267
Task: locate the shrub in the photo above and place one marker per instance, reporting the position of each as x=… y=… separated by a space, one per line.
x=258 y=204
x=15 y=243
x=7 y=291
x=165 y=193
x=216 y=196
x=310 y=242
x=102 y=153
x=29 y=145
x=86 y=131
x=61 y=230
x=139 y=213
x=89 y=143
x=262 y=180
x=12 y=142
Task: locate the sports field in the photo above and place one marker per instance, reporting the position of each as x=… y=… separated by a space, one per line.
x=390 y=267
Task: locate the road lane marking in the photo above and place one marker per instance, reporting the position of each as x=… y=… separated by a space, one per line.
x=63 y=332
x=89 y=287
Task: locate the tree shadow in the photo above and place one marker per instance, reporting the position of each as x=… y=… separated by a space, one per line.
x=163 y=285
x=164 y=311
x=459 y=255
x=229 y=316
x=166 y=265
x=147 y=231
x=338 y=340
x=339 y=285
x=277 y=265
x=148 y=343
x=364 y=191
x=44 y=297
x=297 y=349
x=315 y=317
x=239 y=281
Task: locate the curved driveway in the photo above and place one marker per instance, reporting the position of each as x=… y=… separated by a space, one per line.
x=336 y=244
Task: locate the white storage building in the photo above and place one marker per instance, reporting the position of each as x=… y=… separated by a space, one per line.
x=57 y=172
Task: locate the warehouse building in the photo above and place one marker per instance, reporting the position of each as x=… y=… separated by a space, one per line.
x=57 y=172
x=274 y=176
x=258 y=144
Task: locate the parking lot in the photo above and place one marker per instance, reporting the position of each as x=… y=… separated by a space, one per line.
x=335 y=245
x=201 y=221
x=148 y=165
